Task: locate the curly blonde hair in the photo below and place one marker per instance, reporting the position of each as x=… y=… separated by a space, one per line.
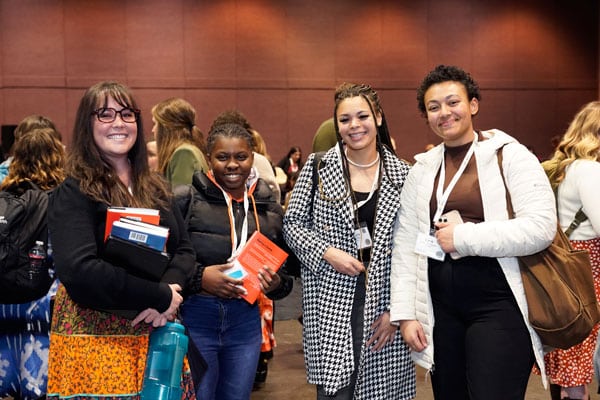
x=580 y=141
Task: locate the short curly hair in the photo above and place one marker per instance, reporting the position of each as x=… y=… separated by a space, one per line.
x=445 y=73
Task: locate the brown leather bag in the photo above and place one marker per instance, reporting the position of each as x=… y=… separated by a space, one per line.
x=559 y=288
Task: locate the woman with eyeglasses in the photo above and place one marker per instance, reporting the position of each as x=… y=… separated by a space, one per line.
x=97 y=353
x=339 y=224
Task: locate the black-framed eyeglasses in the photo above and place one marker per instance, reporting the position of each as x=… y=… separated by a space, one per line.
x=108 y=115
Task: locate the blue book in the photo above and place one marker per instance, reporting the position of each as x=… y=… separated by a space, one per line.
x=153 y=236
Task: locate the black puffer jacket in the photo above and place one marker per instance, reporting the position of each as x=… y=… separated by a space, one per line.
x=207 y=220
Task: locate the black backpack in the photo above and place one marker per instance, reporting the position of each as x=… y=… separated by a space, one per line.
x=22 y=222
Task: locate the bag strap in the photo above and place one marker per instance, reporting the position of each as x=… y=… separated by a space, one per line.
x=315 y=174
x=511 y=213
x=578 y=219
x=579 y=216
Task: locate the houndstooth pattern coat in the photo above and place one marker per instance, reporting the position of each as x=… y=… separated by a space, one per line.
x=316 y=219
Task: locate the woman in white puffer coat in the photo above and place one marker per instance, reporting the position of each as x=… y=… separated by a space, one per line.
x=484 y=345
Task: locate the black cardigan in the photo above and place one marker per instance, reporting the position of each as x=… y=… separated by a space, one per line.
x=76 y=225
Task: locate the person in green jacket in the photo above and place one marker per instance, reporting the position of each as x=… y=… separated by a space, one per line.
x=179 y=141
x=324 y=138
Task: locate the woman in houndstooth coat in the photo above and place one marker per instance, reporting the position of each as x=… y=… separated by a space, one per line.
x=339 y=224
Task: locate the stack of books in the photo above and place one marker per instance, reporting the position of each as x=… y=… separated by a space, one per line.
x=153 y=236
x=136 y=242
x=113 y=214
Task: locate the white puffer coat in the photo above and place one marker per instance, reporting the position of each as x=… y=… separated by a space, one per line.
x=530 y=231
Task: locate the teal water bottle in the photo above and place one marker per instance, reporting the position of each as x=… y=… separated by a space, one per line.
x=166 y=350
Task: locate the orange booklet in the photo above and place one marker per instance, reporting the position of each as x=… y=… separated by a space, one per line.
x=258 y=252
x=113 y=214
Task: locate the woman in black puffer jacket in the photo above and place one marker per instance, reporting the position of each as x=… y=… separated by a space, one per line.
x=223 y=208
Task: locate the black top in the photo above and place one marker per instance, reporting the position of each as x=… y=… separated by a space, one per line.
x=76 y=224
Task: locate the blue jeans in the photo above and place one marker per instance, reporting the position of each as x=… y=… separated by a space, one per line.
x=228 y=335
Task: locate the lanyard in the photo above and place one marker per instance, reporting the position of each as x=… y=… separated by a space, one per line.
x=441 y=194
x=236 y=246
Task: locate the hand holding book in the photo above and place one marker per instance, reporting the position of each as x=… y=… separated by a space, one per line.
x=217 y=282
x=258 y=254
x=269 y=280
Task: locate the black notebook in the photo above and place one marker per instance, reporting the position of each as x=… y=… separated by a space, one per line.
x=139 y=260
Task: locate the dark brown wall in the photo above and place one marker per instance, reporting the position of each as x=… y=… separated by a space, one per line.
x=279 y=61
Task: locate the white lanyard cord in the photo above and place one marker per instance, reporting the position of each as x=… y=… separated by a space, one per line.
x=441 y=194
x=235 y=246
x=373 y=188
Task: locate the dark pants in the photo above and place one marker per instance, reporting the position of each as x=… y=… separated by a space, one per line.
x=482 y=349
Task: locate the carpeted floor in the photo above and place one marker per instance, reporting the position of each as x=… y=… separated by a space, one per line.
x=291 y=306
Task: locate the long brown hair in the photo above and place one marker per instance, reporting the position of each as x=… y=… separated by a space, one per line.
x=38 y=157
x=176 y=124
x=86 y=163
x=35 y=121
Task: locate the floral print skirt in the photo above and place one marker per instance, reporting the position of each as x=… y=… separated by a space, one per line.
x=98 y=355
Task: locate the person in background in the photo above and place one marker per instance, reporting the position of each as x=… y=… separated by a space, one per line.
x=466 y=313
x=263 y=164
x=180 y=143
x=260 y=146
x=152 y=155
x=100 y=354
x=28 y=124
x=264 y=168
x=351 y=349
x=289 y=186
x=574 y=173
x=325 y=137
x=292 y=162
x=224 y=207
x=38 y=157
